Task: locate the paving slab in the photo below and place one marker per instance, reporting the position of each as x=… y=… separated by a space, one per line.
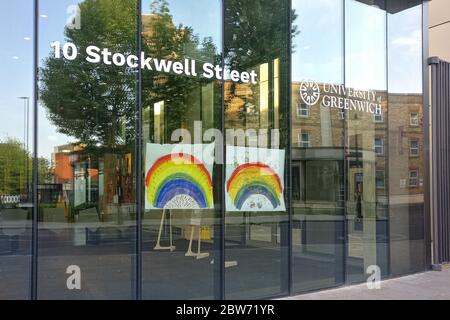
x=431 y=285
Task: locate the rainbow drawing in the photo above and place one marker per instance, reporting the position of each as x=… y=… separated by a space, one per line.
x=178 y=181
x=254 y=179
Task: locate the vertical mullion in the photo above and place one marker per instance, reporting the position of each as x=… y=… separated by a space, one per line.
x=447 y=116
x=386 y=163
x=289 y=148
x=345 y=133
x=139 y=153
x=221 y=268
x=434 y=168
x=34 y=248
x=426 y=152
x=445 y=152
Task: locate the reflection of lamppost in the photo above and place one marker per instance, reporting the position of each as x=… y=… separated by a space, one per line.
x=26 y=101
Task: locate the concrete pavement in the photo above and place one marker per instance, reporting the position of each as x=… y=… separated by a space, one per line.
x=431 y=285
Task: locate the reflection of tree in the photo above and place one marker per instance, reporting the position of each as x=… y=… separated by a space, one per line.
x=14 y=161
x=257 y=33
x=254 y=31
x=162 y=39
x=94 y=103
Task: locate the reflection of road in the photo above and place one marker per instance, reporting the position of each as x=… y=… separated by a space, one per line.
x=107 y=270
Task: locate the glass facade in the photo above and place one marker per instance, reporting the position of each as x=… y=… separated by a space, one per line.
x=209 y=149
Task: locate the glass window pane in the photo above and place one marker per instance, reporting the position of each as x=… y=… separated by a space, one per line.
x=407 y=245
x=180 y=232
x=318 y=154
x=365 y=65
x=256 y=222
x=87 y=213
x=16 y=147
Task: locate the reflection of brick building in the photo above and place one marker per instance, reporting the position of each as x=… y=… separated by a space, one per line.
x=383 y=152
x=103 y=177
x=61 y=164
x=406 y=146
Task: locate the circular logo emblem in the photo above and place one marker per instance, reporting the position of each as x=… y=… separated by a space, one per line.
x=310 y=92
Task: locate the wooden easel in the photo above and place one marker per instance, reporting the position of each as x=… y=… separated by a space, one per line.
x=199 y=255
x=171 y=247
x=196 y=222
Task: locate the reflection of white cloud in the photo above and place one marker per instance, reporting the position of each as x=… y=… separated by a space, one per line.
x=366 y=69
x=412 y=43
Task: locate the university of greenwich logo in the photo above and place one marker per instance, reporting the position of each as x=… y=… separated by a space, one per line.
x=340 y=97
x=310 y=92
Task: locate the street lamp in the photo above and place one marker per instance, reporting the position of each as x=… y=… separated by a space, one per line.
x=26 y=124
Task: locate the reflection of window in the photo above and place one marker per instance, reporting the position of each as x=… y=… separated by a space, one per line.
x=296 y=195
x=414 y=148
x=379 y=179
x=303 y=111
x=413 y=178
x=414 y=119
x=378 y=118
x=379 y=146
x=304 y=140
x=322 y=180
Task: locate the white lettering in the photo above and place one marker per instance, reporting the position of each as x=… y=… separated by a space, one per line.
x=326 y=101
x=74 y=280
x=119 y=59
x=235 y=76
x=96 y=55
x=374 y=280
x=162 y=65
x=253 y=76
x=106 y=54
x=145 y=62
x=245 y=77
x=132 y=61
x=378 y=109
x=177 y=67
x=208 y=72
x=93 y=54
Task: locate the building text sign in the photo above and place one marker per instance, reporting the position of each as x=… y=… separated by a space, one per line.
x=340 y=97
x=187 y=67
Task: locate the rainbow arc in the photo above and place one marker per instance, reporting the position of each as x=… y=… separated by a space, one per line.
x=179 y=181
x=252 y=179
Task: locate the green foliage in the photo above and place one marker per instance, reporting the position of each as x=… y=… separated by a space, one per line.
x=255 y=31
x=165 y=40
x=14 y=162
x=94 y=103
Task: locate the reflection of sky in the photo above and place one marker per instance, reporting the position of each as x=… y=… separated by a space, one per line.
x=16 y=67
x=405 y=51
x=365 y=46
x=319 y=47
x=204 y=16
x=318 y=53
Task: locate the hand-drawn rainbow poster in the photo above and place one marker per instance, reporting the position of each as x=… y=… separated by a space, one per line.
x=254 y=180
x=179 y=176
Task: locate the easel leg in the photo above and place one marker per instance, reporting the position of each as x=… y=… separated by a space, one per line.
x=172 y=248
x=158 y=245
x=199 y=254
x=189 y=252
